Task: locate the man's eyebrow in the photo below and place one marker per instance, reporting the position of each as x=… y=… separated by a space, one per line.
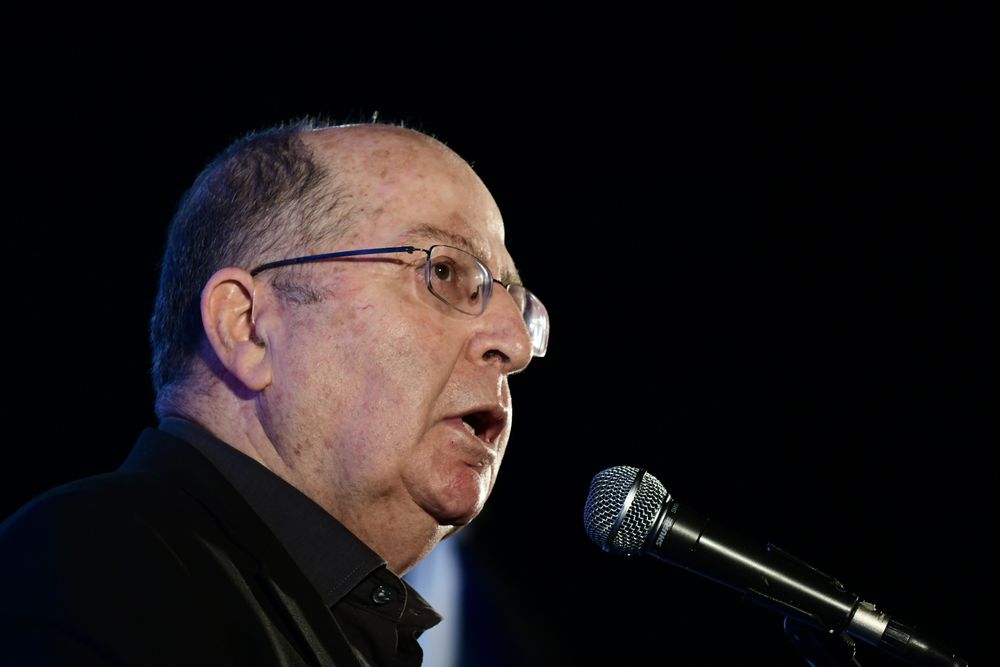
x=427 y=232
x=431 y=233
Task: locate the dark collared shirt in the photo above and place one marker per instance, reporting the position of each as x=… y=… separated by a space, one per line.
x=381 y=614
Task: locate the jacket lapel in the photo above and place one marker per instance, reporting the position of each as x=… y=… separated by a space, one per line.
x=317 y=633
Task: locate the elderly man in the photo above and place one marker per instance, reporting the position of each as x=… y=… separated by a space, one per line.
x=336 y=320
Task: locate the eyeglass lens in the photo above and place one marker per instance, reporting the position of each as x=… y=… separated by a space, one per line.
x=462 y=281
x=458 y=279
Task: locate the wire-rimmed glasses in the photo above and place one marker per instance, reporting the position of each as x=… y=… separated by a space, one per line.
x=459 y=279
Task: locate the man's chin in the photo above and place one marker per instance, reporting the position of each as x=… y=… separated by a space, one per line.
x=457 y=510
x=455 y=500
x=456 y=517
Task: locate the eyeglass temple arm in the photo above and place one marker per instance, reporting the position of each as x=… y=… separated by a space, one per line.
x=332 y=255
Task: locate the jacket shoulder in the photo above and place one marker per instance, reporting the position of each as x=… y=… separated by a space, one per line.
x=109 y=559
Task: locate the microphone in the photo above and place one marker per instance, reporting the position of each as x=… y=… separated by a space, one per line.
x=629 y=512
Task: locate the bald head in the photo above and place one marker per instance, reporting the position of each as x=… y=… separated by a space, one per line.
x=383 y=168
x=371 y=141
x=368 y=159
x=275 y=193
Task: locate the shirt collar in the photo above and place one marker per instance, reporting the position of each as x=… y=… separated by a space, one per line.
x=331 y=557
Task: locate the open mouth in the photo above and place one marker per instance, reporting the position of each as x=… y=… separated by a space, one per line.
x=484 y=424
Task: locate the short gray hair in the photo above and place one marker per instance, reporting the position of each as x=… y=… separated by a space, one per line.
x=264 y=197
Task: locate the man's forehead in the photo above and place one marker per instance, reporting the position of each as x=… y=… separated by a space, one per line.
x=375 y=145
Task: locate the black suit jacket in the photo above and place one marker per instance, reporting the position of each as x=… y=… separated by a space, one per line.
x=158 y=563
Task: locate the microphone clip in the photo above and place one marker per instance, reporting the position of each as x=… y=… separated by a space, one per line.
x=820 y=648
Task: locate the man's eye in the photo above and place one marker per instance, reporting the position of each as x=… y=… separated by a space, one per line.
x=443 y=272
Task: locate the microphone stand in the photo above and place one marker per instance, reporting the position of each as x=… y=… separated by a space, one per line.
x=819 y=648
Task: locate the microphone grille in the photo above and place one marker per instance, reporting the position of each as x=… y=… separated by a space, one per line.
x=609 y=504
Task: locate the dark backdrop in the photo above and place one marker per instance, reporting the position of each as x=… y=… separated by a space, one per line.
x=768 y=257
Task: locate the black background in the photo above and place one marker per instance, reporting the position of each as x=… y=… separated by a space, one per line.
x=767 y=251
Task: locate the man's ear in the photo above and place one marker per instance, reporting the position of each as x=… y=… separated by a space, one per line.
x=227 y=316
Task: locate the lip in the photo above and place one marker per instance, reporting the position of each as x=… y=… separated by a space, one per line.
x=487 y=420
x=475 y=451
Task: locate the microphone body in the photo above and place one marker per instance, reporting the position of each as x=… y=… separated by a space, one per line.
x=629 y=512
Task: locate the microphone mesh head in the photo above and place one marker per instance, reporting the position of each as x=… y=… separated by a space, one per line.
x=607 y=500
